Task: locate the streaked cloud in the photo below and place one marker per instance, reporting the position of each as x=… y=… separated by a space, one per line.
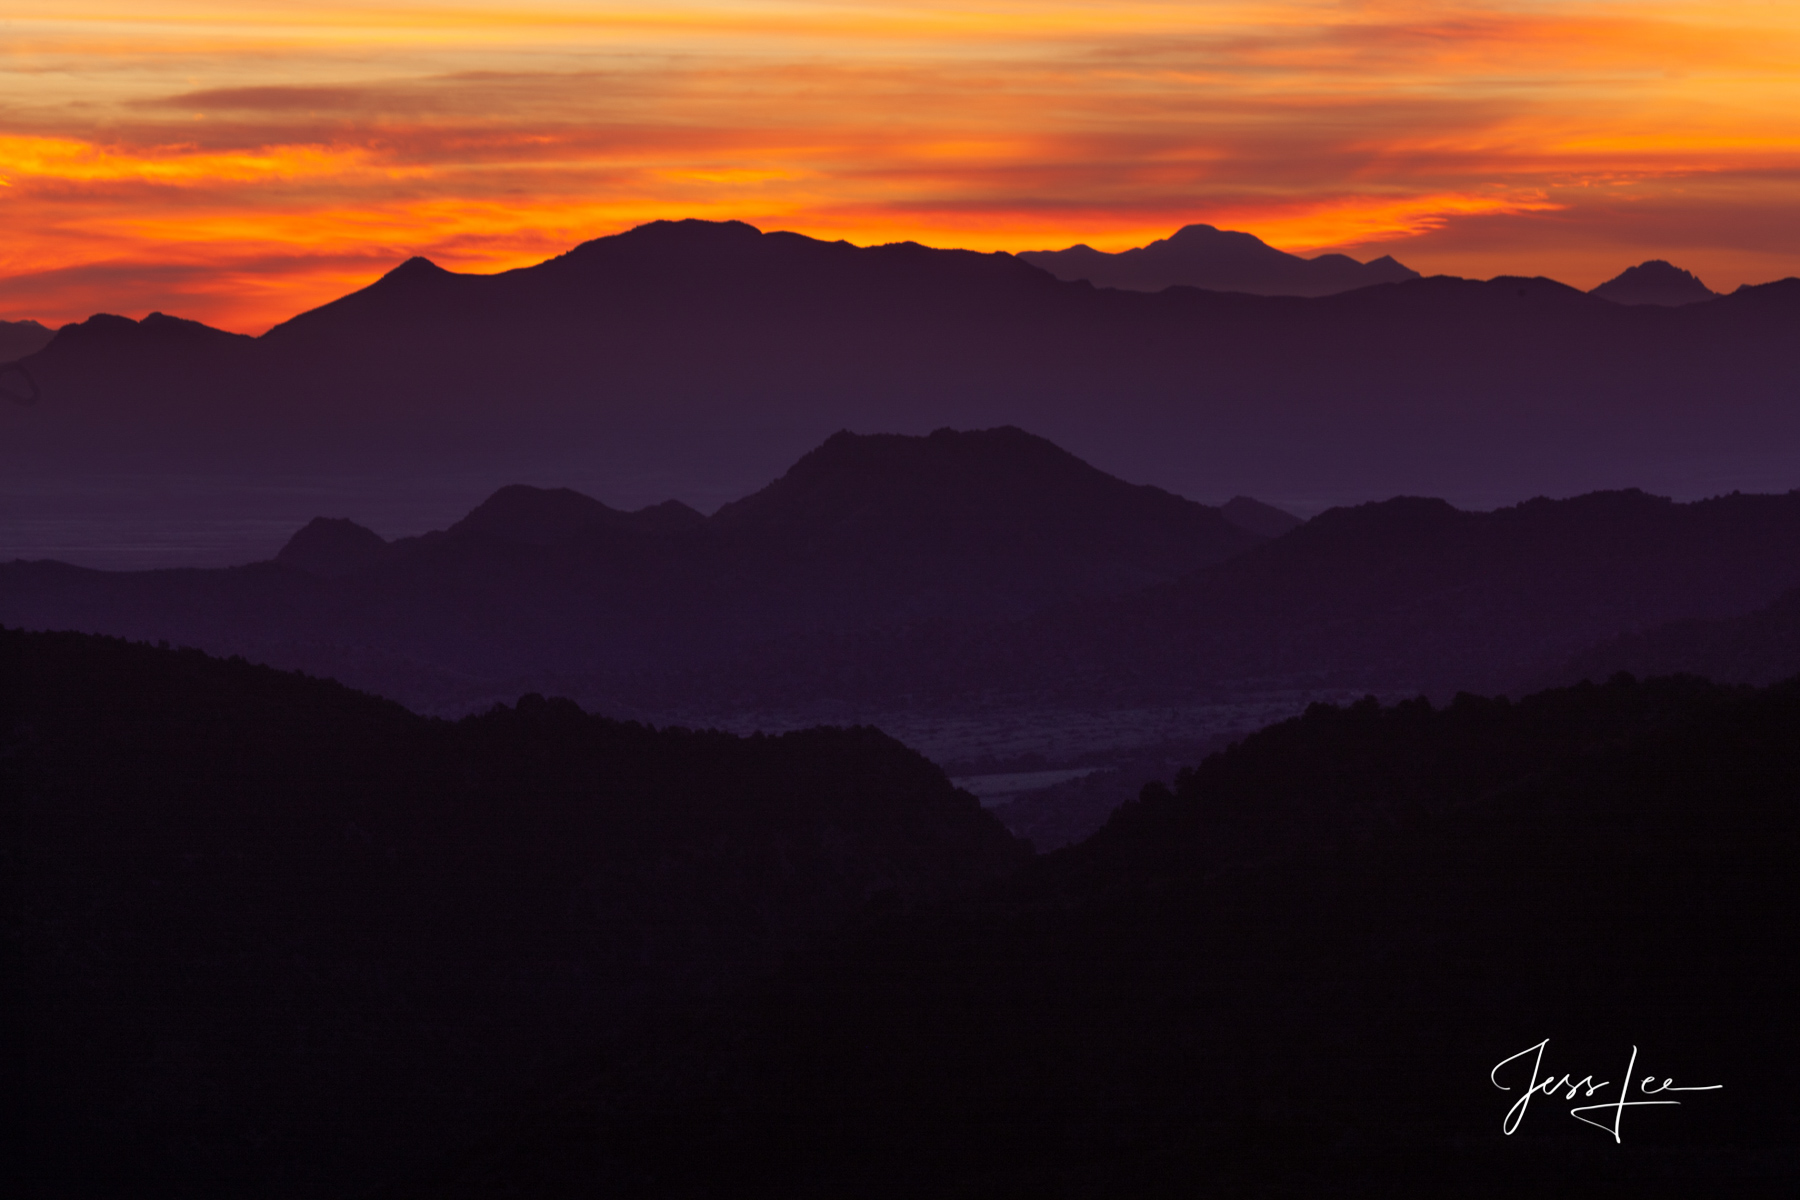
x=285 y=151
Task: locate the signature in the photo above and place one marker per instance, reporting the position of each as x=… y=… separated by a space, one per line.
x=1586 y=1088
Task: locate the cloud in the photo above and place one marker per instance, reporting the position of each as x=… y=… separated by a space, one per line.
x=288 y=99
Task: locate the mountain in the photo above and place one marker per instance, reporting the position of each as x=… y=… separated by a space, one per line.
x=697 y=361
x=1258 y=517
x=961 y=573
x=333 y=547
x=1309 y=968
x=1654 y=282
x=1405 y=596
x=1219 y=260
x=864 y=534
x=546 y=516
x=1758 y=647
x=265 y=936
x=20 y=338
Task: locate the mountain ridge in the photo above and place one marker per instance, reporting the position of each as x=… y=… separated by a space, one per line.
x=1202 y=256
x=683 y=361
x=1404 y=596
x=954 y=573
x=1206 y=987
x=867 y=532
x=275 y=937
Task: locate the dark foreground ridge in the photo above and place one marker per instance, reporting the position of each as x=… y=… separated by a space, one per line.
x=265 y=936
x=1291 y=976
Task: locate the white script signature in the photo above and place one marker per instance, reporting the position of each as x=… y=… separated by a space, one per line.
x=1569 y=1086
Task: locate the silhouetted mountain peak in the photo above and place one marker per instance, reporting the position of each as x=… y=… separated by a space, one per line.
x=519 y=513
x=104 y=331
x=1205 y=256
x=1220 y=244
x=411 y=277
x=332 y=547
x=949 y=473
x=1260 y=518
x=19 y=338
x=416 y=267
x=669 y=516
x=1001 y=518
x=543 y=516
x=1380 y=529
x=691 y=231
x=1654 y=282
x=673 y=240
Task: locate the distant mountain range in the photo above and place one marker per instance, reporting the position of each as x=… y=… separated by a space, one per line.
x=1407 y=596
x=1219 y=260
x=865 y=533
x=696 y=360
x=941 y=572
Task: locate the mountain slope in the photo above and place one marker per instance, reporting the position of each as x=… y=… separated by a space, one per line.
x=268 y=937
x=1654 y=282
x=1408 y=595
x=19 y=338
x=1758 y=647
x=1294 y=975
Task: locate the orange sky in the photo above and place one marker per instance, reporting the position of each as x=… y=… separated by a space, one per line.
x=240 y=162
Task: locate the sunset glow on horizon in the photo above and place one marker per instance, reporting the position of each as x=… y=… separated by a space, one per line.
x=238 y=163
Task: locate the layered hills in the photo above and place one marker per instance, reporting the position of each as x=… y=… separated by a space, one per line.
x=946 y=573
x=264 y=936
x=697 y=360
x=1408 y=595
x=1219 y=260
x=1319 y=965
x=866 y=533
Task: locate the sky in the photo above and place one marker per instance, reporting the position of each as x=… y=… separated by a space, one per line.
x=239 y=162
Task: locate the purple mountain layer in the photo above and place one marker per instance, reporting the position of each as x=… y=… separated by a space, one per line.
x=937 y=573
x=696 y=361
